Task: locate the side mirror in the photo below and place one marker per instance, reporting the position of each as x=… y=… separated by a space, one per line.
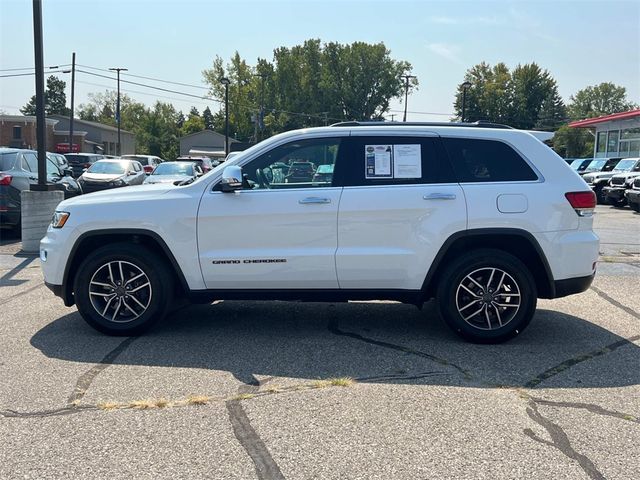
x=231 y=179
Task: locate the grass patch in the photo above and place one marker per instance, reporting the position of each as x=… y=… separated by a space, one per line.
x=341 y=382
x=108 y=405
x=142 y=404
x=243 y=396
x=198 y=400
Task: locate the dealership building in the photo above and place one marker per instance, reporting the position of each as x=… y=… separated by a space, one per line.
x=616 y=135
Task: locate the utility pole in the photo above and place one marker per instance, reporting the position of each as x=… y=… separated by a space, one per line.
x=406 y=93
x=225 y=81
x=73 y=84
x=119 y=152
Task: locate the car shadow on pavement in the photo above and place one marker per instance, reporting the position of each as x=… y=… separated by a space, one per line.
x=372 y=342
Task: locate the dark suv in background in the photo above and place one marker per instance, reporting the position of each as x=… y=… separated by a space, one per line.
x=18 y=171
x=79 y=162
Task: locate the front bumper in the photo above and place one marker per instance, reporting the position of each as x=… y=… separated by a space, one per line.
x=633 y=196
x=616 y=193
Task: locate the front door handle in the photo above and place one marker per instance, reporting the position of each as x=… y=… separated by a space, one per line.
x=440 y=196
x=308 y=200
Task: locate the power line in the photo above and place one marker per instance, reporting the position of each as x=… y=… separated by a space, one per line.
x=28 y=74
x=150 y=78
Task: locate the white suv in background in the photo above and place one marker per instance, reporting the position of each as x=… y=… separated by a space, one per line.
x=484 y=218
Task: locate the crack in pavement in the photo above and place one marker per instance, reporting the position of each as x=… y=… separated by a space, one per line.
x=265 y=465
x=84 y=381
x=614 y=302
x=68 y=410
x=561 y=367
x=593 y=408
x=567 y=364
x=559 y=440
x=19 y=294
x=332 y=326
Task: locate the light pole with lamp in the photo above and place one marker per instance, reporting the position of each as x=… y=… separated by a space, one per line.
x=465 y=86
x=225 y=81
x=119 y=152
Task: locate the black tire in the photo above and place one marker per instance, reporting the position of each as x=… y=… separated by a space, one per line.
x=600 y=198
x=505 y=320
x=151 y=302
x=635 y=206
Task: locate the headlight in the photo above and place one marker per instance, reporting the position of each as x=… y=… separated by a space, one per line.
x=119 y=182
x=59 y=219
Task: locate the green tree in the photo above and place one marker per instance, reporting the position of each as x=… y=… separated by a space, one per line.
x=573 y=142
x=603 y=99
x=307 y=85
x=526 y=97
x=102 y=107
x=55 y=100
x=207 y=117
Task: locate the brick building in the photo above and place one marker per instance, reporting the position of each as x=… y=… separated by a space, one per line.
x=19 y=131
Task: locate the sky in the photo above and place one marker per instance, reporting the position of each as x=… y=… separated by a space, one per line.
x=580 y=42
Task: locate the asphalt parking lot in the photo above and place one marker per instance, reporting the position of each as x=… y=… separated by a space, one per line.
x=304 y=390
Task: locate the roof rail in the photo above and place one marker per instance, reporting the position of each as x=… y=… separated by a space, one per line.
x=477 y=124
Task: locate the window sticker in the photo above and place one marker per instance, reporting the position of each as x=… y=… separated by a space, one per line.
x=407 y=161
x=378 y=161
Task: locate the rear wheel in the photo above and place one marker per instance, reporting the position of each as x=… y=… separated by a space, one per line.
x=122 y=289
x=487 y=296
x=600 y=198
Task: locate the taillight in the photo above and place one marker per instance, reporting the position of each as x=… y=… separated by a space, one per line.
x=5 y=179
x=148 y=168
x=582 y=202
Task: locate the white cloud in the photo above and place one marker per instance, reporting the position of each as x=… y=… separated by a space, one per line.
x=447 y=51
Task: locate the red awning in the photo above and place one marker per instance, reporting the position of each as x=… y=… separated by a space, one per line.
x=606 y=118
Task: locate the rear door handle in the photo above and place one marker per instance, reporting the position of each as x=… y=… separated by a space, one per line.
x=440 y=196
x=309 y=200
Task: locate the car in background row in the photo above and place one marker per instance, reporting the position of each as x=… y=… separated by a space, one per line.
x=601 y=165
x=18 y=171
x=106 y=174
x=148 y=162
x=633 y=194
x=60 y=160
x=174 y=172
x=598 y=180
x=79 y=162
x=580 y=164
x=614 y=192
x=205 y=163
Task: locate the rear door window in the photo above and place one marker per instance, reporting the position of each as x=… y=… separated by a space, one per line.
x=394 y=160
x=481 y=160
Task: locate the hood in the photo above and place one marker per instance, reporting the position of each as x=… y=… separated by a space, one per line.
x=100 y=177
x=131 y=193
x=166 y=178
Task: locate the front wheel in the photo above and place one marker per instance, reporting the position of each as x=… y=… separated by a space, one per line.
x=487 y=296
x=122 y=289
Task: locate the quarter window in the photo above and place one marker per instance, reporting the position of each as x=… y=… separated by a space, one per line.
x=476 y=160
x=32 y=161
x=300 y=164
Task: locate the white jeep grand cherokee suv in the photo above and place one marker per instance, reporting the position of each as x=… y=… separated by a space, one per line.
x=484 y=218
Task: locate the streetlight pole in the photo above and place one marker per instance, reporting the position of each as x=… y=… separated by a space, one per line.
x=73 y=85
x=41 y=124
x=406 y=93
x=225 y=81
x=119 y=152
x=465 y=87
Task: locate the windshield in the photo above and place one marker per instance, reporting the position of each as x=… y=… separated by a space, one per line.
x=111 y=168
x=576 y=164
x=7 y=160
x=174 y=169
x=596 y=165
x=624 y=165
x=636 y=168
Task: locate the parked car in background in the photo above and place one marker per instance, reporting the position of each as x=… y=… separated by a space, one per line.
x=633 y=194
x=148 y=162
x=60 y=160
x=598 y=180
x=300 y=172
x=18 y=171
x=580 y=164
x=205 y=163
x=81 y=161
x=113 y=173
x=614 y=192
x=174 y=172
x=323 y=175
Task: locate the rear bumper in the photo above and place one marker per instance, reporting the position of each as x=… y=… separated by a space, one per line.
x=570 y=286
